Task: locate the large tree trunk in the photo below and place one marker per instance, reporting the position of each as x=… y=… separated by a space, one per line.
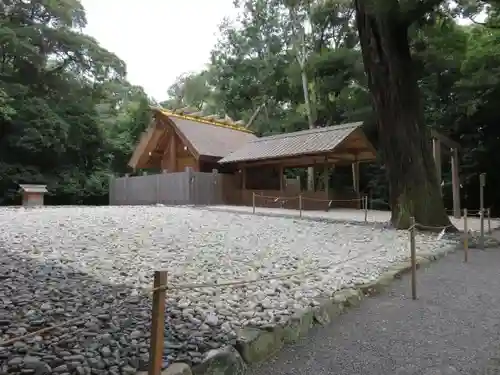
x=405 y=140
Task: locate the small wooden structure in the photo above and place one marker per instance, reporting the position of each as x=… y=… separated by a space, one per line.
x=33 y=195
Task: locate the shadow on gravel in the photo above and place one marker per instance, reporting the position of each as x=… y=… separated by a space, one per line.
x=111 y=338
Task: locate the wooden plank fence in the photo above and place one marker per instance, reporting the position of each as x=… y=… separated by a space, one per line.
x=182 y=188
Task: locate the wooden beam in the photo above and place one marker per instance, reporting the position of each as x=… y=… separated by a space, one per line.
x=164 y=121
x=172 y=161
x=303 y=161
x=447 y=141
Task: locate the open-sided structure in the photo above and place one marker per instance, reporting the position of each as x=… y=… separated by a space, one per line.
x=322 y=147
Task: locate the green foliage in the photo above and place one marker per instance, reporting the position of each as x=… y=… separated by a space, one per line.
x=67 y=116
x=457 y=67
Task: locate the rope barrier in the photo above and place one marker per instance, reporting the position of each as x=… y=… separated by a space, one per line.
x=182 y=287
x=421 y=226
x=331 y=200
x=61 y=324
x=247 y=282
x=43 y=330
x=276 y=198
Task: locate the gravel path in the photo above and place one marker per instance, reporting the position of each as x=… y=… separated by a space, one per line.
x=59 y=263
x=453 y=328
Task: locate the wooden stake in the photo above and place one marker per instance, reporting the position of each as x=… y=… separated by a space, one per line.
x=488 y=212
x=253 y=202
x=300 y=205
x=413 y=258
x=466 y=238
x=481 y=220
x=157 y=324
x=365 y=200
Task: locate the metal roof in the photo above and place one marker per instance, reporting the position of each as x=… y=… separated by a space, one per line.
x=314 y=141
x=34 y=188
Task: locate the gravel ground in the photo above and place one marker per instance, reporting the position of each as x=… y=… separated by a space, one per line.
x=352 y=215
x=59 y=263
x=453 y=328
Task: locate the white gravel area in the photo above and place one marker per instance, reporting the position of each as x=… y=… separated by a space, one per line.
x=125 y=245
x=354 y=216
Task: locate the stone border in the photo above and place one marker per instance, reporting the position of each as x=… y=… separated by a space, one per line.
x=258 y=344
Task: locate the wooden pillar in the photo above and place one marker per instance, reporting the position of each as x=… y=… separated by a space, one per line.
x=280 y=172
x=355 y=176
x=455 y=183
x=436 y=151
x=172 y=161
x=326 y=179
x=243 y=178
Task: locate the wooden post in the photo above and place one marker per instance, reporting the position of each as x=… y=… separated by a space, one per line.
x=481 y=238
x=253 y=202
x=125 y=187
x=215 y=196
x=413 y=259
x=436 y=151
x=172 y=157
x=158 y=189
x=244 y=178
x=111 y=190
x=488 y=212
x=157 y=324
x=355 y=176
x=482 y=183
x=455 y=183
x=280 y=172
x=466 y=238
x=300 y=205
x=326 y=179
x=355 y=180
x=365 y=204
x=191 y=198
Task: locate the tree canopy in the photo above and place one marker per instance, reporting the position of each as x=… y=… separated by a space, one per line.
x=69 y=117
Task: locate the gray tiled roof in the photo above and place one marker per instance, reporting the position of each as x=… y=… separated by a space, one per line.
x=304 y=142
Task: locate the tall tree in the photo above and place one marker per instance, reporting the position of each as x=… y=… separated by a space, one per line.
x=300 y=18
x=383 y=28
